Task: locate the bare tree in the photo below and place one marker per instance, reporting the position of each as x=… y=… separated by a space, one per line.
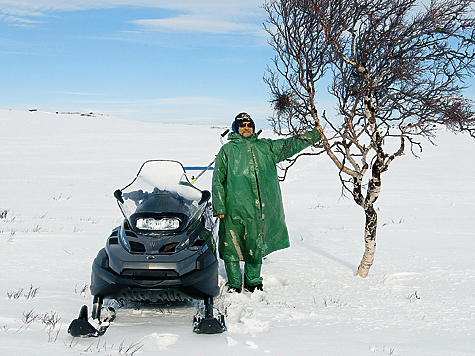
x=398 y=70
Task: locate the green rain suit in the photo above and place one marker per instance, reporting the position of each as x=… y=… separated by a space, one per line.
x=246 y=189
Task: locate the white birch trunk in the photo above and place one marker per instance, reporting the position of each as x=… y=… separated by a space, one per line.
x=371 y=224
x=370 y=243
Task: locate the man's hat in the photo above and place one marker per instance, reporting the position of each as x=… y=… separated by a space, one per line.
x=241 y=118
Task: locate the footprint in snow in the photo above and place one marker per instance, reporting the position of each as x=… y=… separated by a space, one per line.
x=161 y=341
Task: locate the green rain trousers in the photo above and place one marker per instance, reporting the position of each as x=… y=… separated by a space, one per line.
x=252 y=274
x=246 y=190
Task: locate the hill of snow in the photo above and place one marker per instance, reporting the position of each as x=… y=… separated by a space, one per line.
x=58 y=173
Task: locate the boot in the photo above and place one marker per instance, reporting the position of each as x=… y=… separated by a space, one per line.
x=251 y=289
x=234 y=289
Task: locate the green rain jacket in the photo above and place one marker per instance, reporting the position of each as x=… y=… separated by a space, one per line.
x=246 y=189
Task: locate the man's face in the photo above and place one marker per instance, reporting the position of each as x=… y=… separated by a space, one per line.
x=247 y=130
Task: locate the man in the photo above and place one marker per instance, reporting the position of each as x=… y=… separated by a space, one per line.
x=247 y=199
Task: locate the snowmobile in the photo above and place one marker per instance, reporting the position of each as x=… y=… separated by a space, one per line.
x=164 y=250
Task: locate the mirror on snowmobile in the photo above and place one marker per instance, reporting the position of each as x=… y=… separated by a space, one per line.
x=118 y=195
x=205 y=195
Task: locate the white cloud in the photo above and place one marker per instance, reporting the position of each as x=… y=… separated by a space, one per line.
x=206 y=16
x=37 y=7
x=20 y=20
x=195 y=23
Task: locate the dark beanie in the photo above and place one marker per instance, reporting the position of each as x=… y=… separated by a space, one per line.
x=240 y=118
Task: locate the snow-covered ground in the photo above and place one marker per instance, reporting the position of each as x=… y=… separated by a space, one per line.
x=57 y=176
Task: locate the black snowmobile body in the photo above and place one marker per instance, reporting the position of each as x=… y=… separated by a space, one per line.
x=164 y=250
x=154 y=277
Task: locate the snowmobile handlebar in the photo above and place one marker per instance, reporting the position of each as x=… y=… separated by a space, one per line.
x=224 y=133
x=209 y=165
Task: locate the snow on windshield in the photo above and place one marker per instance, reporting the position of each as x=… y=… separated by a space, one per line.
x=170 y=176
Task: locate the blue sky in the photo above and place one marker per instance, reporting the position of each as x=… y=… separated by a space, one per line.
x=180 y=61
x=166 y=61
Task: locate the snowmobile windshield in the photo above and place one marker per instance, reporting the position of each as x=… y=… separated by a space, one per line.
x=160 y=199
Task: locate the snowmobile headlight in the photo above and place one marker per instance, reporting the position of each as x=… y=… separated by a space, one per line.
x=163 y=224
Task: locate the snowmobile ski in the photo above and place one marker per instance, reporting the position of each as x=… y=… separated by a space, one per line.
x=209 y=324
x=81 y=327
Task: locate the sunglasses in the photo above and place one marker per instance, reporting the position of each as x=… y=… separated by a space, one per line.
x=245 y=124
